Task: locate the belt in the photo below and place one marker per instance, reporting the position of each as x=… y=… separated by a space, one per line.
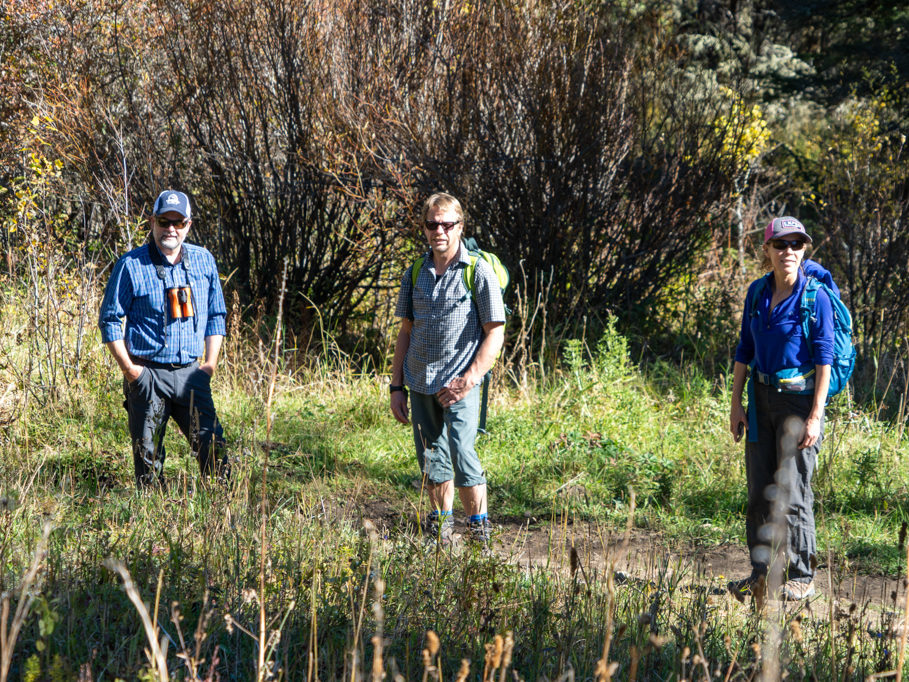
x=796 y=384
x=762 y=378
x=160 y=365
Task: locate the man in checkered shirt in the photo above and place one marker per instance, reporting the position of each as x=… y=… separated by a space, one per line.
x=448 y=341
x=170 y=295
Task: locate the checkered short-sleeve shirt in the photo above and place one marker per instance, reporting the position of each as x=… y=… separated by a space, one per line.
x=447 y=320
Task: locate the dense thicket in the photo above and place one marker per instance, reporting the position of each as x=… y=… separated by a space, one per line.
x=601 y=149
x=308 y=132
x=833 y=80
x=565 y=133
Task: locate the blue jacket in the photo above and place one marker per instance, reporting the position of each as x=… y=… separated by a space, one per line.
x=136 y=292
x=774 y=339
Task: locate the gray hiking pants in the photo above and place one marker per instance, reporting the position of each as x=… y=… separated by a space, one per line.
x=780 y=499
x=184 y=394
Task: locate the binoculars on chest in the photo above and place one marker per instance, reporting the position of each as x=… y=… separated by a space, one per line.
x=180 y=302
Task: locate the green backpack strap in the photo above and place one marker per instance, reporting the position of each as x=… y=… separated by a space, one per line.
x=498 y=268
x=470 y=274
x=415 y=270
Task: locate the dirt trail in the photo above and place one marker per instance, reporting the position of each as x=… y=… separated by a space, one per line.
x=645 y=556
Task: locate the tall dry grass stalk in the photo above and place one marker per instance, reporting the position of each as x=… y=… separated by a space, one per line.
x=493 y=659
x=9 y=635
x=192 y=659
x=156 y=652
x=831 y=609
x=378 y=639
x=312 y=659
x=263 y=548
x=506 y=655
x=431 y=666
x=359 y=614
x=605 y=669
x=463 y=671
x=904 y=632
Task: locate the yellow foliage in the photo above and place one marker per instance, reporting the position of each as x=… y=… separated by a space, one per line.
x=862 y=121
x=745 y=132
x=42 y=178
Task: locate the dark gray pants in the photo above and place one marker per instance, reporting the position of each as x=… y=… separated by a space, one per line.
x=185 y=395
x=776 y=467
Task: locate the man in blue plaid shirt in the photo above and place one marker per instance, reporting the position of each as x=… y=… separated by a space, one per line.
x=448 y=341
x=170 y=295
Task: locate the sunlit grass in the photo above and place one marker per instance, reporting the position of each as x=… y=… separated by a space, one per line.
x=566 y=451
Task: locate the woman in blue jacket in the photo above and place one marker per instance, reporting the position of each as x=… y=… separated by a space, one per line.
x=790 y=375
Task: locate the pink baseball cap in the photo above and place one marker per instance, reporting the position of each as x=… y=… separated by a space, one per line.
x=783 y=227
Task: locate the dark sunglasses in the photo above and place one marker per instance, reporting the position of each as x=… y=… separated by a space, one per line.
x=794 y=244
x=165 y=223
x=432 y=225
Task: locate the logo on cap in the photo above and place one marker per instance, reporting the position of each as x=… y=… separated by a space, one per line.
x=789 y=222
x=172 y=199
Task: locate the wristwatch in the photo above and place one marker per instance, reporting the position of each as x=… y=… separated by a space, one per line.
x=394 y=388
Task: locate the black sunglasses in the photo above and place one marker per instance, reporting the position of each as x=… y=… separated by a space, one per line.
x=432 y=225
x=165 y=223
x=794 y=244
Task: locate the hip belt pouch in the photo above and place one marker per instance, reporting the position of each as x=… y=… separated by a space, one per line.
x=799 y=381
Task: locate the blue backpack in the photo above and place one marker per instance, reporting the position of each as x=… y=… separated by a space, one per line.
x=800 y=380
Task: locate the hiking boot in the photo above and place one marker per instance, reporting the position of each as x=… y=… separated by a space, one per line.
x=439 y=530
x=479 y=531
x=752 y=586
x=794 y=590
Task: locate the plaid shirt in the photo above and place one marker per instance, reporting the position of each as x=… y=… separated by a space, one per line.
x=447 y=320
x=135 y=292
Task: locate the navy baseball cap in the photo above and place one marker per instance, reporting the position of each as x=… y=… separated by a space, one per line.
x=172 y=200
x=783 y=227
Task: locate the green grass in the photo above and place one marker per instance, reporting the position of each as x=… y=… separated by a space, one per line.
x=571 y=446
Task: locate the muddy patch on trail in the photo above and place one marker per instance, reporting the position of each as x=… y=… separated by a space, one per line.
x=650 y=556
x=642 y=555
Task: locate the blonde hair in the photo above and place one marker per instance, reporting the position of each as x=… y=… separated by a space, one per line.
x=443 y=201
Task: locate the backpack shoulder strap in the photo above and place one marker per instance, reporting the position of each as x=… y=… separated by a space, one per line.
x=474 y=253
x=758 y=292
x=415 y=270
x=808 y=305
x=470 y=272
